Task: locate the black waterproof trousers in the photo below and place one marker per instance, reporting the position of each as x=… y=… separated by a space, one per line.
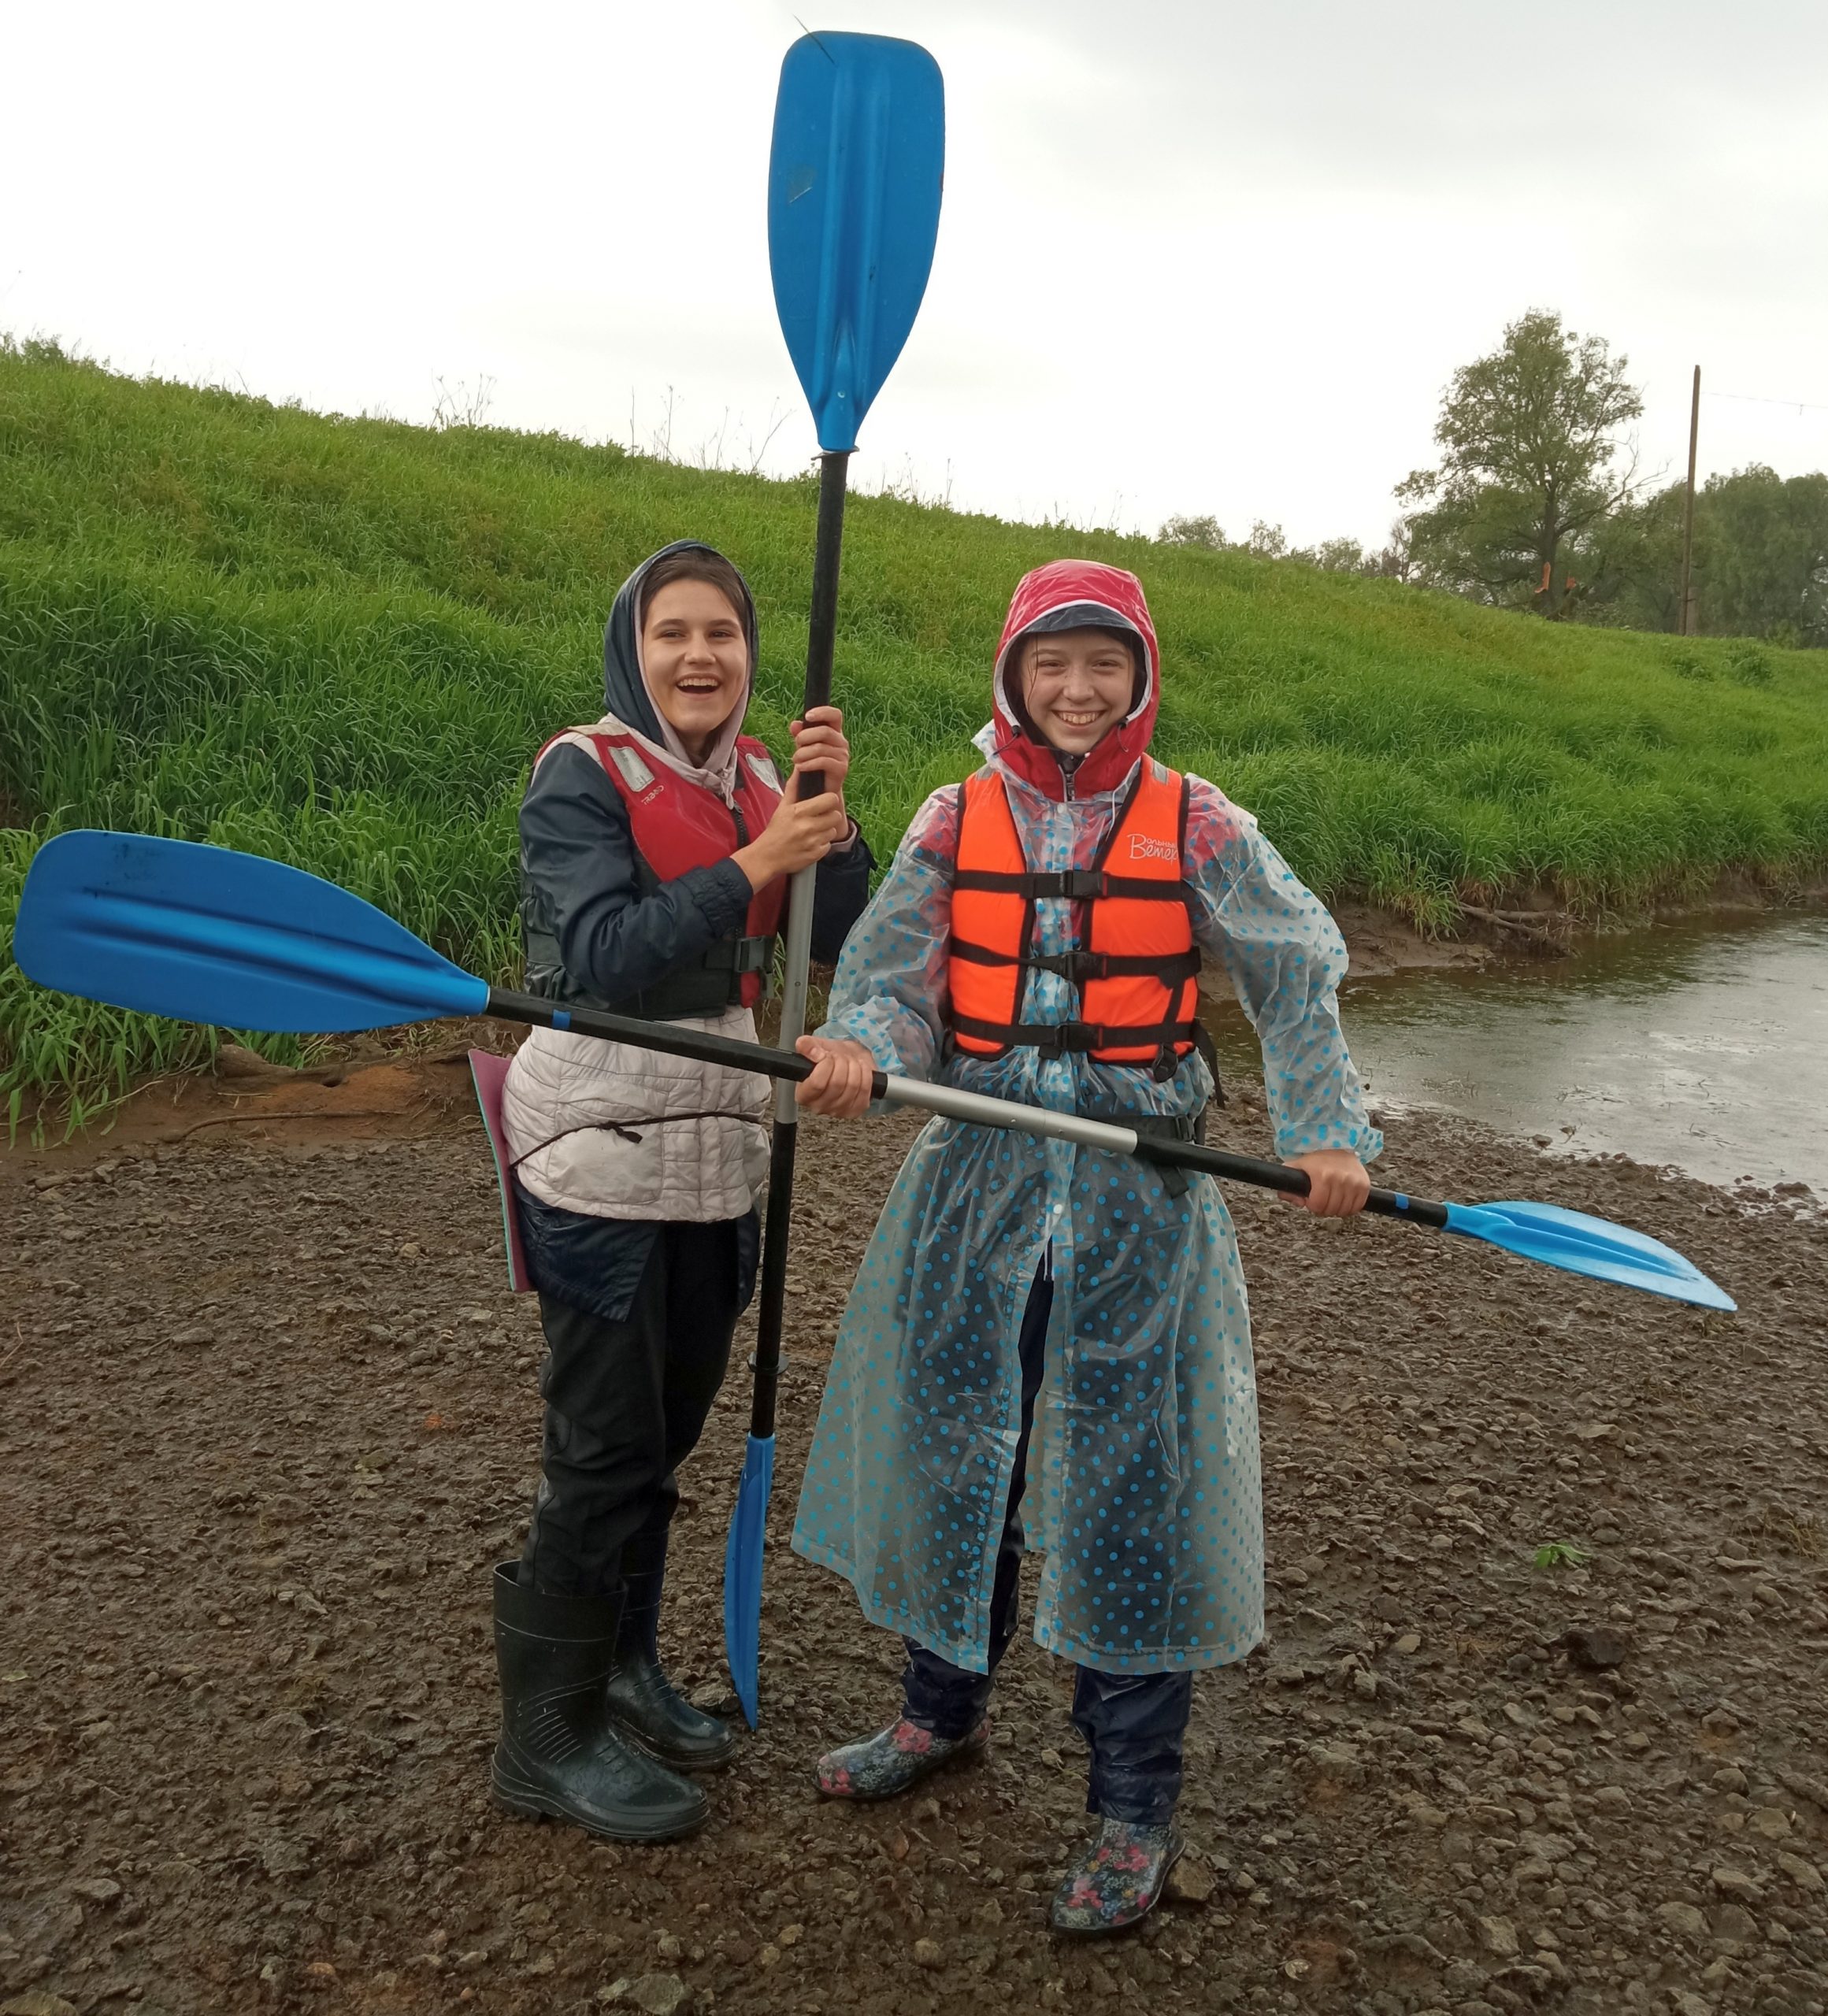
x=625 y=1404
x=1134 y=1724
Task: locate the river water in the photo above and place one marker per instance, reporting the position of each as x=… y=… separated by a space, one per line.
x=1703 y=1046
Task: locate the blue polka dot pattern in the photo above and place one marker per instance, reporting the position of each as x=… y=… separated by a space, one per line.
x=1145 y=1495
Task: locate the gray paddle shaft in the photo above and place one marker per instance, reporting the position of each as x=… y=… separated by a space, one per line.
x=973 y=1108
x=976 y=1110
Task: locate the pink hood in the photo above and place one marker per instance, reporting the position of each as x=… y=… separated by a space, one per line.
x=1108 y=596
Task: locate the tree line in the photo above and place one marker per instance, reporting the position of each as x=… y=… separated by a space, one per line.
x=1536 y=503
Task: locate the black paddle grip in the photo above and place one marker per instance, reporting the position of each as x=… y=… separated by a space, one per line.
x=822 y=632
x=1276 y=1176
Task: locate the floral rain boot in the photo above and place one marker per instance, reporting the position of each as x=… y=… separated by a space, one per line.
x=895 y=1759
x=1115 y=1879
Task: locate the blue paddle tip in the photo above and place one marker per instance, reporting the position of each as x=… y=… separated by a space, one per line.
x=743 y=1571
x=1579 y=1244
x=204 y=934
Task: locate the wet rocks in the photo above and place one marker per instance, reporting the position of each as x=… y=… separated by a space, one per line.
x=1498 y=1936
x=1428 y=1794
x=1684 y=1920
x=1190 y=1882
x=655 y=1995
x=1598 y=1647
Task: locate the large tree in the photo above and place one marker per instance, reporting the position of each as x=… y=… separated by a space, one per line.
x=1533 y=461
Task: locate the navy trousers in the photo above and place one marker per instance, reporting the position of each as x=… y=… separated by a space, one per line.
x=1135 y=1724
x=625 y=1404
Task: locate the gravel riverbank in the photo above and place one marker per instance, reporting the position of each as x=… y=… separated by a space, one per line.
x=268 y=1414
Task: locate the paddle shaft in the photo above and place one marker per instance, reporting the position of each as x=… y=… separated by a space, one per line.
x=821 y=640
x=789 y=1067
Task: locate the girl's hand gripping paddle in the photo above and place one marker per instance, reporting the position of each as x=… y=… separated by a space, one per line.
x=854 y=179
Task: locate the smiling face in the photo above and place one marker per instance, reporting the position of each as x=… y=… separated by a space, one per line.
x=1077 y=685
x=695 y=659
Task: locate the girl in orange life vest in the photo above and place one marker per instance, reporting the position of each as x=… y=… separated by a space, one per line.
x=655 y=847
x=1041 y=1334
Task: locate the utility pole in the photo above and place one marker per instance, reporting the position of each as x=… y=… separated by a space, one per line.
x=1685 y=608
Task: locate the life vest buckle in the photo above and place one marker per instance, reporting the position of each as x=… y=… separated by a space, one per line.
x=1067 y=1039
x=1075 y=967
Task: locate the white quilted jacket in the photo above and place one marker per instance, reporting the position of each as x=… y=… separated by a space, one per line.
x=562 y=1091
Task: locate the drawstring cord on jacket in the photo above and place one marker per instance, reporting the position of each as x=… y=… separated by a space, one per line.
x=624 y=1129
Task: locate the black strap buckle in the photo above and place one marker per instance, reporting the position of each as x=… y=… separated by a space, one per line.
x=1075 y=967
x=1068 y=1038
x=740 y=955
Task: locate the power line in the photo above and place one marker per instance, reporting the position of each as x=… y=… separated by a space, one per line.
x=1756 y=399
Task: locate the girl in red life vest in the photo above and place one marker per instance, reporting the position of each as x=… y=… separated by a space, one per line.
x=1044 y=1342
x=655 y=844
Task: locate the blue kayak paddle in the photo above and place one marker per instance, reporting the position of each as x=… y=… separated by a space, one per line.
x=206 y=935
x=854 y=179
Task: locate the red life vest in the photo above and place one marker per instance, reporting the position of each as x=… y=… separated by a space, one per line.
x=677 y=824
x=1136 y=964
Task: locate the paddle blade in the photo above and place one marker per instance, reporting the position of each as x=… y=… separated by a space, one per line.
x=742 y=1575
x=1581 y=1245
x=854 y=179
x=206 y=935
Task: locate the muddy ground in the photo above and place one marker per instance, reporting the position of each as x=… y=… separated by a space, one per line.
x=267 y=1414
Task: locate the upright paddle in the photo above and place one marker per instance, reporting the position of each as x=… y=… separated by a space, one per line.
x=168 y=927
x=853 y=179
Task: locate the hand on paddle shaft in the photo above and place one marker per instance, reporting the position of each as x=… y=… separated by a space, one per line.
x=1338 y=1183
x=839 y=1086
x=840 y=1082
x=801 y=832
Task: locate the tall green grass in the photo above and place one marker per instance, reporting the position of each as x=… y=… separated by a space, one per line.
x=340 y=642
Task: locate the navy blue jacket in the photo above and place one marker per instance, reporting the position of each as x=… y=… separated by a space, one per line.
x=581 y=888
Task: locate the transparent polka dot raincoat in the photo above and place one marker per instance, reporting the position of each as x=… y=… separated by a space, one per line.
x=1144 y=1487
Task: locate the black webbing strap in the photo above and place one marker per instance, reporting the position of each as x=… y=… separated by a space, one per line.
x=1077 y=967
x=1077 y=885
x=1062 y=1038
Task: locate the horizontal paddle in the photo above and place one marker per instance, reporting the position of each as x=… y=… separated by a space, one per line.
x=205 y=935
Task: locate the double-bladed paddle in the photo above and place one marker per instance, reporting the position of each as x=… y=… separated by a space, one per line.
x=205 y=935
x=854 y=179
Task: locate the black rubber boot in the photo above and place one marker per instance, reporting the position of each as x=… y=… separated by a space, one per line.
x=559 y=1753
x=645 y=1705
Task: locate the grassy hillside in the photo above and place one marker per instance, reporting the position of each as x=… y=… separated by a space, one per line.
x=339 y=641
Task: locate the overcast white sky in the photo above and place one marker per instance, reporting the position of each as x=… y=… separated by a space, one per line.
x=1197 y=255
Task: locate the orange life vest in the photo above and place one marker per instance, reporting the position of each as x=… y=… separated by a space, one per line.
x=1136 y=964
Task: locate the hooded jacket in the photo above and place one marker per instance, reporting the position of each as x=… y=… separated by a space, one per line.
x=593 y=935
x=1143 y=1483
x=1066 y=595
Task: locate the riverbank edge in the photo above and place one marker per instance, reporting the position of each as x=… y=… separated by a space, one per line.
x=1524 y=925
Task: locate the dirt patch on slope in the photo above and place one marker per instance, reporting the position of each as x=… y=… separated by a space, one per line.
x=267 y=1414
